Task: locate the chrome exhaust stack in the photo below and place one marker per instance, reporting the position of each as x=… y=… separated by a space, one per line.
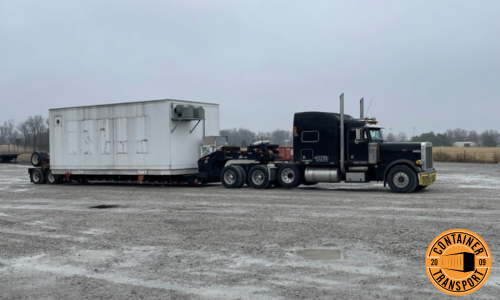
x=362 y=108
x=342 y=148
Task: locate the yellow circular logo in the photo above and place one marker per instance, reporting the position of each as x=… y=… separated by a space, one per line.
x=458 y=262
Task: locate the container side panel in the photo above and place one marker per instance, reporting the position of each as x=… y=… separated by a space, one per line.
x=128 y=139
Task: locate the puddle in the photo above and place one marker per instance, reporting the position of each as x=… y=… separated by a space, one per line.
x=103 y=206
x=321 y=254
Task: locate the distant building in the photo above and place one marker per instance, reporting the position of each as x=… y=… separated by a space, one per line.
x=464 y=144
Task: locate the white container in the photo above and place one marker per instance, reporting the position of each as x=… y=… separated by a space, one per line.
x=146 y=137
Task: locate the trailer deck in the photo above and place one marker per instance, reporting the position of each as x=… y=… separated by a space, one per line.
x=8 y=157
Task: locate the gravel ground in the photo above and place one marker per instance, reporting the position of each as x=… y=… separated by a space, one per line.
x=330 y=241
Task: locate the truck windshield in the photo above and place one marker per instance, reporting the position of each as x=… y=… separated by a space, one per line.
x=376 y=134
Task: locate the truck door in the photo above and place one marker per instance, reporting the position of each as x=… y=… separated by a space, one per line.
x=357 y=145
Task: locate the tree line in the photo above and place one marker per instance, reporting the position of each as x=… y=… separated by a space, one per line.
x=488 y=138
x=33 y=133
x=243 y=137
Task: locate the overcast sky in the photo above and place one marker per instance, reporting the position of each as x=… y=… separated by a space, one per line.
x=431 y=65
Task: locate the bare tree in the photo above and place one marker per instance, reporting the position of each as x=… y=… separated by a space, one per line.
x=473 y=137
x=9 y=132
x=263 y=136
x=44 y=137
x=281 y=137
x=402 y=137
x=490 y=138
x=25 y=133
x=32 y=130
x=3 y=138
x=457 y=135
x=390 y=137
x=236 y=136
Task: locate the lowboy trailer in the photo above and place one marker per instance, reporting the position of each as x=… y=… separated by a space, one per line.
x=137 y=142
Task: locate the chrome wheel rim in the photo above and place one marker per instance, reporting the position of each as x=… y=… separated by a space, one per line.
x=230 y=177
x=401 y=179
x=258 y=177
x=288 y=175
x=36 y=177
x=51 y=178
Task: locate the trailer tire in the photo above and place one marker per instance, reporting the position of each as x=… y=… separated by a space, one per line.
x=51 y=178
x=289 y=176
x=402 y=179
x=37 y=158
x=37 y=176
x=232 y=177
x=258 y=177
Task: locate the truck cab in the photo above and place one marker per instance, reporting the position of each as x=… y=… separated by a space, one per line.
x=331 y=147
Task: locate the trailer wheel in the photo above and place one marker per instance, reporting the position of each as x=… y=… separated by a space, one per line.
x=37 y=176
x=53 y=179
x=289 y=176
x=243 y=176
x=402 y=179
x=37 y=158
x=231 y=177
x=258 y=177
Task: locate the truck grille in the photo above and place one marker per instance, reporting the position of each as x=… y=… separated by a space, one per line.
x=428 y=158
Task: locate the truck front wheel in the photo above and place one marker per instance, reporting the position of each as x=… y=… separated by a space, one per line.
x=232 y=177
x=402 y=179
x=289 y=176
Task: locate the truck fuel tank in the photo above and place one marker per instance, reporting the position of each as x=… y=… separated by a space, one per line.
x=322 y=175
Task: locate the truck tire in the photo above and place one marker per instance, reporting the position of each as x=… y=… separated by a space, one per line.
x=232 y=177
x=289 y=176
x=402 y=179
x=243 y=176
x=258 y=177
x=37 y=176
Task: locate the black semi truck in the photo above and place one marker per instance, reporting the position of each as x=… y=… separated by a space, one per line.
x=327 y=147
